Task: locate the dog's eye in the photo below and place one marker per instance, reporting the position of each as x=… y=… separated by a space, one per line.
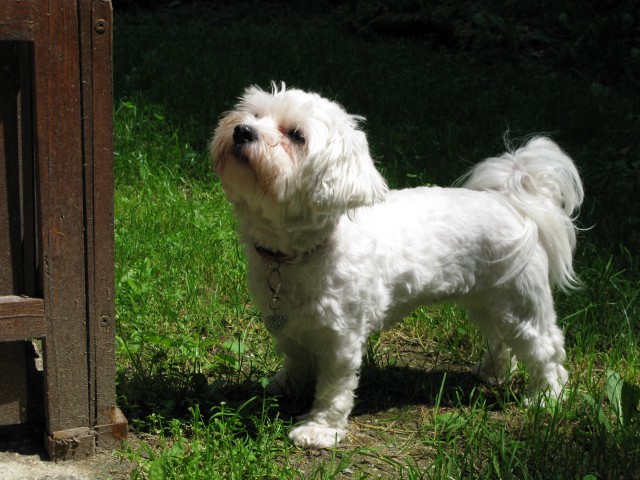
x=296 y=135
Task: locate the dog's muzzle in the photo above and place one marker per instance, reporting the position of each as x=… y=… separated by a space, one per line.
x=244 y=134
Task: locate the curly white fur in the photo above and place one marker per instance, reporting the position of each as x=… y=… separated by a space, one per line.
x=354 y=257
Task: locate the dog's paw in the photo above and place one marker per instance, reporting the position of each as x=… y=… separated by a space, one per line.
x=314 y=435
x=548 y=393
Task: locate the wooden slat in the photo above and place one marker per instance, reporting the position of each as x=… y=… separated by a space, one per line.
x=21 y=318
x=61 y=198
x=31 y=283
x=17 y=19
x=11 y=264
x=97 y=108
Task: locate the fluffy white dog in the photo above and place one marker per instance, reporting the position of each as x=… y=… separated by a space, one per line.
x=334 y=255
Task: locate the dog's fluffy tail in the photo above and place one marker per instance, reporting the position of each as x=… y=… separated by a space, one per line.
x=542 y=183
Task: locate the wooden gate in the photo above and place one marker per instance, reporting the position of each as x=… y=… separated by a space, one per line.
x=56 y=220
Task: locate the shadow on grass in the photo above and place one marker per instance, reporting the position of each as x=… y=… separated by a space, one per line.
x=380 y=389
x=540 y=442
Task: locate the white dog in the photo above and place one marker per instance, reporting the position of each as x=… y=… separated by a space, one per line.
x=334 y=255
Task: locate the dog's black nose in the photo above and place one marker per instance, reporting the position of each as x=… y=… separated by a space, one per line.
x=243 y=134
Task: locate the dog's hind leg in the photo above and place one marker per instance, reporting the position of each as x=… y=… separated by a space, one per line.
x=529 y=328
x=543 y=354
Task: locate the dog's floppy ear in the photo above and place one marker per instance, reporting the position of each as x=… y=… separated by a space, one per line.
x=344 y=176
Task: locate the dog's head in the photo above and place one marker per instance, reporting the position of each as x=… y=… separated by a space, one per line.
x=295 y=153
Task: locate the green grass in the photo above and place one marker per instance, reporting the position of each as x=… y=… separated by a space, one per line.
x=192 y=354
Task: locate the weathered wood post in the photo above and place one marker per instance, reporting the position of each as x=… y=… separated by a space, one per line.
x=56 y=219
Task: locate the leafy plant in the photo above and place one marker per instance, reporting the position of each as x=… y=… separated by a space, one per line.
x=624 y=400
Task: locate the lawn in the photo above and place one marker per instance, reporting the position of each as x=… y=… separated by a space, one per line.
x=440 y=87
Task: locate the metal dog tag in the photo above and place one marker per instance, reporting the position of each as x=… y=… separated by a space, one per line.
x=275 y=323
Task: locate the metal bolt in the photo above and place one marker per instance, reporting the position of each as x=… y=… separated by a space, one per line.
x=101 y=25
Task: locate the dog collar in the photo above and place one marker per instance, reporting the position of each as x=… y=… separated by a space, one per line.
x=277 y=257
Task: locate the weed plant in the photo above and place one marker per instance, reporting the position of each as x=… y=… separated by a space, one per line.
x=193 y=357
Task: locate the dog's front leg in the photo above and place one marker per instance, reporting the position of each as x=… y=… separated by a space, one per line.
x=337 y=378
x=298 y=369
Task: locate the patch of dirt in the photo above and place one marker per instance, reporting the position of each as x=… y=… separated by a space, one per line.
x=404 y=385
x=23 y=457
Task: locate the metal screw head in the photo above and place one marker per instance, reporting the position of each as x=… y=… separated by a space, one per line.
x=101 y=25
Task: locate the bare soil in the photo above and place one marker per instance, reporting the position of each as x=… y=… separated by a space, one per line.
x=23 y=457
